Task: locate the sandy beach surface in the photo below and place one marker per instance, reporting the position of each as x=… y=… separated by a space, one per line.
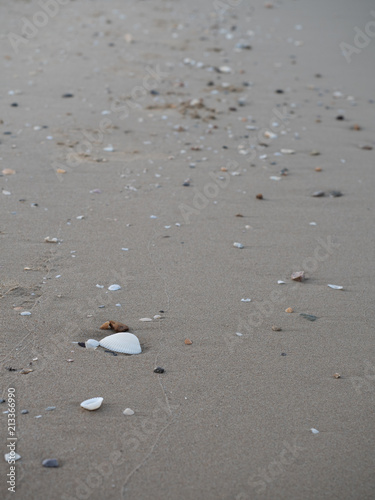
x=138 y=134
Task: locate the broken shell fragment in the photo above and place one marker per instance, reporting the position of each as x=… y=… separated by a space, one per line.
x=336 y=287
x=289 y=310
x=188 y=342
x=276 y=328
x=91 y=344
x=336 y=375
x=238 y=245
x=145 y=319
x=125 y=343
x=115 y=287
x=92 y=404
x=115 y=326
x=298 y=276
x=105 y=326
x=51 y=240
x=128 y=411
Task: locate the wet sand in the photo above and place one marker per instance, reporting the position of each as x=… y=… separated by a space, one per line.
x=165 y=94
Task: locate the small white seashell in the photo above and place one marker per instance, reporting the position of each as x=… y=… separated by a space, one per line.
x=11 y=456
x=25 y=313
x=157 y=316
x=312 y=223
x=80 y=217
x=91 y=344
x=128 y=411
x=145 y=319
x=238 y=245
x=239 y=334
x=275 y=178
x=245 y=300
x=92 y=404
x=51 y=240
x=112 y=288
x=99 y=286
x=225 y=69
x=109 y=148
x=280 y=282
x=314 y=431
x=126 y=343
x=7 y=193
x=336 y=287
x=287 y=151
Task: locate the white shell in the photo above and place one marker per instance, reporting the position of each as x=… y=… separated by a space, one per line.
x=126 y=343
x=112 y=288
x=314 y=431
x=238 y=245
x=280 y=282
x=145 y=319
x=9 y=457
x=336 y=287
x=128 y=411
x=157 y=316
x=92 y=404
x=25 y=313
x=92 y=344
x=245 y=300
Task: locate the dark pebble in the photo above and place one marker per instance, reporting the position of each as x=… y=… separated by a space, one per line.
x=161 y=311
x=186 y=184
x=279 y=91
x=81 y=344
x=2 y=401
x=335 y=194
x=310 y=317
x=159 y=370
x=7 y=133
x=101 y=307
x=283 y=354
x=284 y=171
x=225 y=147
x=24 y=412
x=50 y=462
x=66 y=96
x=154 y=92
x=110 y=352
x=14 y=104
x=340 y=117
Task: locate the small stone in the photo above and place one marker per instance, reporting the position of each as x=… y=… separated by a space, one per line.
x=25 y=313
x=188 y=342
x=368 y=148
x=50 y=462
x=128 y=411
x=14 y=104
x=50 y=408
x=336 y=375
x=310 y=317
x=2 y=400
x=335 y=194
x=239 y=215
x=159 y=370
x=283 y=354
x=9 y=456
x=356 y=127
x=24 y=412
x=314 y=153
x=259 y=196
x=340 y=117
x=113 y=288
x=318 y=169
x=284 y=171
x=82 y=344
x=26 y=371
x=318 y=194
x=279 y=91
x=238 y=245
x=276 y=328
x=8 y=171
x=298 y=276
x=289 y=310
x=67 y=96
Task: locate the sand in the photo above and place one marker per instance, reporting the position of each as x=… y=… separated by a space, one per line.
x=231 y=417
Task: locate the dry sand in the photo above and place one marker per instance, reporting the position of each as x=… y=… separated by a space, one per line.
x=231 y=417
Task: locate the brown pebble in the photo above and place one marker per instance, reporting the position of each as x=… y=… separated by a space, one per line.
x=356 y=127
x=239 y=215
x=259 y=196
x=223 y=169
x=276 y=328
x=336 y=375
x=298 y=276
x=368 y=148
x=318 y=169
x=188 y=342
x=289 y=310
x=314 y=153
